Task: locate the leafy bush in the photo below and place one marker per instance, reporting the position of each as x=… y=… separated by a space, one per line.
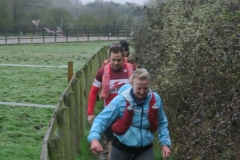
x=192 y=50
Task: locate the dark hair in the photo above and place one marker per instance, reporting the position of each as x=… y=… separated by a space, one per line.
x=115 y=49
x=132 y=59
x=124 y=44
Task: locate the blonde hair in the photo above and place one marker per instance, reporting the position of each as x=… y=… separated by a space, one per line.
x=141 y=74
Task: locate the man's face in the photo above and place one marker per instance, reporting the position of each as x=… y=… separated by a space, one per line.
x=116 y=60
x=140 y=88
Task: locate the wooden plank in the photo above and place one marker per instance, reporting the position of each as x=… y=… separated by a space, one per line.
x=70 y=71
x=64 y=129
x=56 y=149
x=83 y=99
x=69 y=102
x=76 y=111
x=49 y=134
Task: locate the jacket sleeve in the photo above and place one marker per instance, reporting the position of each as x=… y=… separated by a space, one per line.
x=163 y=133
x=104 y=119
x=97 y=84
x=92 y=99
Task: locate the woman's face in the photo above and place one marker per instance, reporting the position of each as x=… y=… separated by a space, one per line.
x=140 y=88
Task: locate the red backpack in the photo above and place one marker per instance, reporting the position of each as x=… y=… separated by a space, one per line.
x=122 y=125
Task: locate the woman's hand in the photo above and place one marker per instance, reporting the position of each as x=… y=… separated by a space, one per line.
x=96 y=146
x=165 y=152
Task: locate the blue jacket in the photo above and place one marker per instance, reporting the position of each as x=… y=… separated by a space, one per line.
x=138 y=134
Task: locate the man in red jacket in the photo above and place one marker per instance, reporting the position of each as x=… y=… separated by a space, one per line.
x=110 y=78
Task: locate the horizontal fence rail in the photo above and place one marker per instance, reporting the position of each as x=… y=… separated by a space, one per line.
x=62 y=139
x=45 y=35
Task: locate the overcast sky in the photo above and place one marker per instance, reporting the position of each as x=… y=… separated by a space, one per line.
x=140 y=2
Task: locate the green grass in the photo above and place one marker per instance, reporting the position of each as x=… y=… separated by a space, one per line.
x=22 y=128
x=53 y=54
x=21 y=131
x=32 y=85
x=40 y=85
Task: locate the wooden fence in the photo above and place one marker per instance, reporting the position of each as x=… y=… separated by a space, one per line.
x=62 y=139
x=41 y=35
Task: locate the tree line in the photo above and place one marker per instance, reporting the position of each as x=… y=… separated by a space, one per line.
x=15 y=13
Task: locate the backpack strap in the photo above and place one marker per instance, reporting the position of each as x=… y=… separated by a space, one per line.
x=129 y=69
x=105 y=81
x=122 y=124
x=153 y=114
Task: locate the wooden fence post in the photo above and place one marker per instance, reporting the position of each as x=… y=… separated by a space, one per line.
x=98 y=34
x=92 y=64
x=88 y=34
x=43 y=36
x=87 y=81
x=55 y=35
x=97 y=65
x=6 y=38
x=69 y=102
x=76 y=90
x=31 y=39
x=18 y=36
x=64 y=129
x=66 y=35
x=70 y=71
x=81 y=76
x=102 y=58
x=56 y=147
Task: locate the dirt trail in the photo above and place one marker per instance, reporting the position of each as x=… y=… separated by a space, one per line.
x=103 y=155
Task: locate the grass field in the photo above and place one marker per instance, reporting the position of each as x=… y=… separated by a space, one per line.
x=22 y=128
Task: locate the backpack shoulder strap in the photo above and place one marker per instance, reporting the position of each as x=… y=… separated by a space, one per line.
x=107 y=69
x=129 y=69
x=152 y=101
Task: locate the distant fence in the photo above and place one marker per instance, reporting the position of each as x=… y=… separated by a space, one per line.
x=62 y=139
x=68 y=34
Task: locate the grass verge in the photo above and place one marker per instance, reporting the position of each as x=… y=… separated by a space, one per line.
x=22 y=128
x=21 y=131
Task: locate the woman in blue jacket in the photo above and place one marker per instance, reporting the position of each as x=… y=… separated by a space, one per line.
x=139 y=113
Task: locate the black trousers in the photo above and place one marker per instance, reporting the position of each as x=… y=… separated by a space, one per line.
x=120 y=151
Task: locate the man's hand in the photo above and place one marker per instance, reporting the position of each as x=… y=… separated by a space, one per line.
x=96 y=146
x=165 y=152
x=90 y=119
